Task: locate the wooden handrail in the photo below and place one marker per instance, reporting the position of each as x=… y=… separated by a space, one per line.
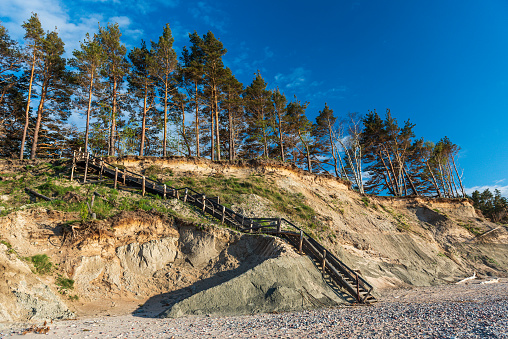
x=327 y=261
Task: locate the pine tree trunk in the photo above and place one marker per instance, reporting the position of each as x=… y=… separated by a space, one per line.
x=265 y=141
x=231 y=132
x=397 y=187
x=444 y=181
x=112 y=137
x=394 y=187
x=332 y=145
x=410 y=182
x=197 y=118
x=90 y=88
x=434 y=181
x=460 y=180
x=184 y=133
x=164 y=141
x=217 y=122
x=38 y=122
x=307 y=151
x=452 y=179
x=143 y=125
x=281 y=141
x=358 y=168
x=212 y=133
x=27 y=111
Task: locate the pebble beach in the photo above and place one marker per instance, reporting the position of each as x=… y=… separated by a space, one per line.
x=470 y=310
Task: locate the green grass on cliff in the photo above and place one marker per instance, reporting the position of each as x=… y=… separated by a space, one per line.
x=52 y=179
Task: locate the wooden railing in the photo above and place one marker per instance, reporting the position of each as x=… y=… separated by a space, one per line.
x=340 y=273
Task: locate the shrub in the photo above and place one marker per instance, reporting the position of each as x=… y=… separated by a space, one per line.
x=64 y=283
x=42 y=263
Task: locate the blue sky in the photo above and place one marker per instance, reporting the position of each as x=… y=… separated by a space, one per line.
x=442 y=64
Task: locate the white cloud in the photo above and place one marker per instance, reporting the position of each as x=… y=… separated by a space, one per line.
x=492 y=188
x=51 y=14
x=334 y=92
x=74 y=19
x=296 y=78
x=122 y=21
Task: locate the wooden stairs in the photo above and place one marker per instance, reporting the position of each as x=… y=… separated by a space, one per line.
x=335 y=272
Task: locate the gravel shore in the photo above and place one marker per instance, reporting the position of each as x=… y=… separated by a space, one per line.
x=452 y=311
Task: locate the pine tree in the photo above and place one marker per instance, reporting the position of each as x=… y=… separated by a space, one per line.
x=192 y=80
x=34 y=37
x=163 y=65
x=180 y=107
x=9 y=62
x=55 y=89
x=279 y=108
x=12 y=118
x=88 y=62
x=301 y=126
x=444 y=157
x=324 y=134
x=258 y=108
x=114 y=69
x=10 y=91
x=214 y=75
x=387 y=148
x=141 y=84
x=429 y=174
x=233 y=104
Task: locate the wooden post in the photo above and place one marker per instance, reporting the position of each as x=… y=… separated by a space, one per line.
x=116 y=177
x=102 y=169
x=164 y=191
x=300 y=246
x=279 y=226
x=323 y=263
x=123 y=174
x=357 y=288
x=204 y=200
x=173 y=193
x=185 y=196
x=73 y=164
x=86 y=167
x=143 y=185
x=218 y=200
x=223 y=214
x=177 y=194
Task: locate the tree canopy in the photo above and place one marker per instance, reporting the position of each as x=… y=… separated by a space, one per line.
x=150 y=101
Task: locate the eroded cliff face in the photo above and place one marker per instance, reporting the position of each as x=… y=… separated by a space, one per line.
x=23 y=295
x=141 y=255
x=132 y=256
x=393 y=241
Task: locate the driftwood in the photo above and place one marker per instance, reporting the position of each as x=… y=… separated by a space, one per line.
x=38 y=195
x=493 y=281
x=466 y=279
